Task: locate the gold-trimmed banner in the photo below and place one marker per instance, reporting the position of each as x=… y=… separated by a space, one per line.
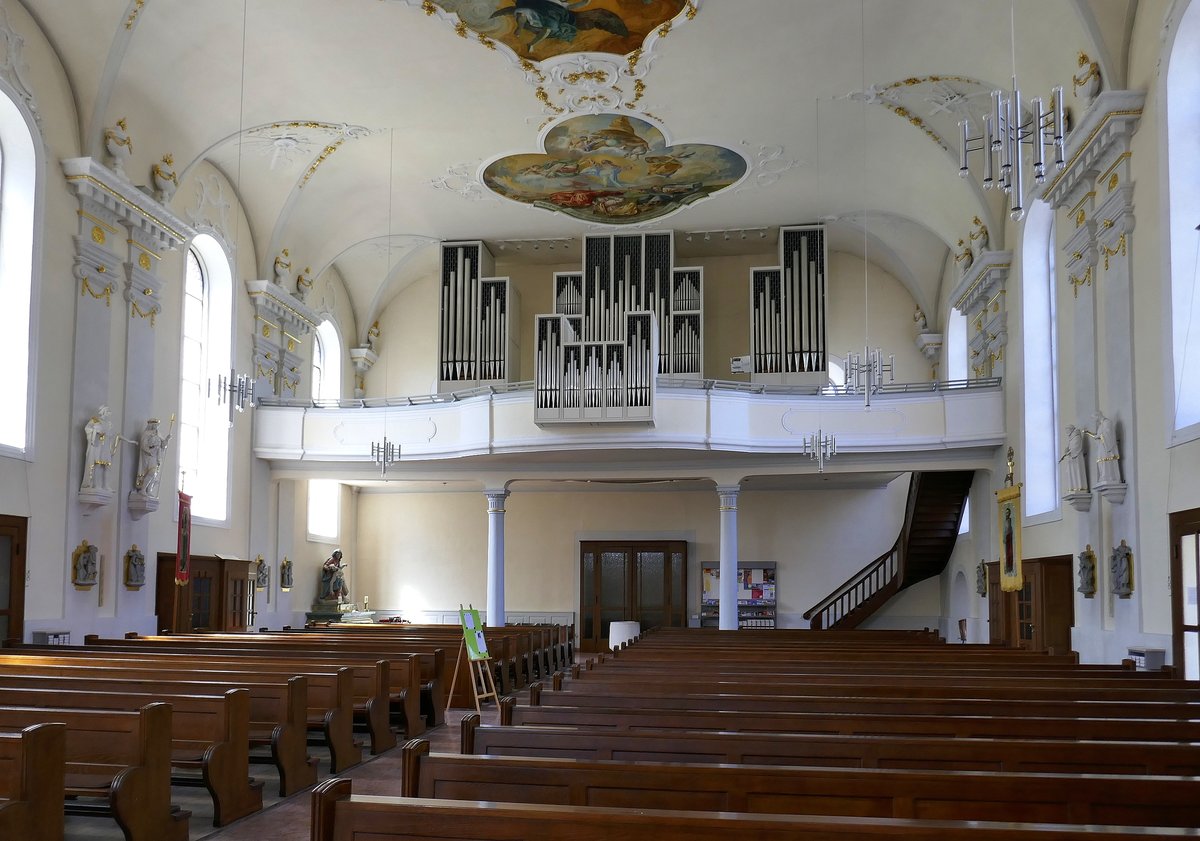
x=1009 y=502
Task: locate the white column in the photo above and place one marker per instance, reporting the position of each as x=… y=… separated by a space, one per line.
x=495 y=568
x=729 y=557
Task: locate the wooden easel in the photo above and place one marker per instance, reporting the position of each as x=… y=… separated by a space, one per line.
x=481 y=677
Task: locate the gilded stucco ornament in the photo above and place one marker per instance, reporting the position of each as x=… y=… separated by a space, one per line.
x=166 y=182
x=119 y=146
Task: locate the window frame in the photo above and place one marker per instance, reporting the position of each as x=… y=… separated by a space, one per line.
x=1039 y=265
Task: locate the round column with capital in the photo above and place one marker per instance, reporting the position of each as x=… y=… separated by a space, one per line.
x=728 y=618
x=495 y=567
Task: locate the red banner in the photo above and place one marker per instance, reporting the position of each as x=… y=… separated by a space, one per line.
x=183 y=552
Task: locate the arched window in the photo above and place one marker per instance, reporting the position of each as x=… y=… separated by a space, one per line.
x=1040 y=364
x=18 y=182
x=956 y=369
x=204 y=357
x=327 y=363
x=1183 y=184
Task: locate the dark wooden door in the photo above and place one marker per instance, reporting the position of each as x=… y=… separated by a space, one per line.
x=218 y=596
x=1039 y=616
x=1185 y=573
x=12 y=577
x=638 y=581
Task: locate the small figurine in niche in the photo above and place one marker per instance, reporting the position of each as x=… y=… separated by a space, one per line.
x=1087 y=572
x=1108 y=469
x=119 y=146
x=283 y=269
x=1077 y=481
x=262 y=574
x=333 y=579
x=85 y=565
x=151 y=447
x=1121 y=568
x=166 y=182
x=135 y=568
x=285 y=574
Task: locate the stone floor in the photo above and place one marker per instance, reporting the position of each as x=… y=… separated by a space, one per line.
x=286 y=819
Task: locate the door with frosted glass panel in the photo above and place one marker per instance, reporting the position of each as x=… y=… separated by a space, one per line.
x=12 y=578
x=1185 y=573
x=622 y=581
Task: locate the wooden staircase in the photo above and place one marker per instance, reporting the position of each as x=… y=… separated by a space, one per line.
x=931 y=519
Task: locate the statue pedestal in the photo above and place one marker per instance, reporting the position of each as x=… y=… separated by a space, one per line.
x=140 y=505
x=1114 y=492
x=323 y=611
x=95 y=498
x=1080 y=500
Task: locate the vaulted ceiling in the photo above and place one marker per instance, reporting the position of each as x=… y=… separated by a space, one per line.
x=356 y=132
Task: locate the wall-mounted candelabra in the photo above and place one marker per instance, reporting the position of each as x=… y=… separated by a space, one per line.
x=865 y=371
x=627 y=318
x=479 y=339
x=820 y=447
x=384 y=453
x=787 y=311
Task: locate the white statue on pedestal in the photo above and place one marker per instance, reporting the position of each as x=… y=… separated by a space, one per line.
x=151 y=447
x=101 y=448
x=1077 y=481
x=1108 y=469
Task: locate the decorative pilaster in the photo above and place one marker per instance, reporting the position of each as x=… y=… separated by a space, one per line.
x=495 y=568
x=728 y=495
x=281 y=320
x=980 y=297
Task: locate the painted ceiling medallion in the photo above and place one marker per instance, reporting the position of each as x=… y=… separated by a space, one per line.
x=537 y=30
x=614 y=169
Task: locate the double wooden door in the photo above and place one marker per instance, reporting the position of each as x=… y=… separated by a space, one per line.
x=1039 y=616
x=641 y=581
x=219 y=595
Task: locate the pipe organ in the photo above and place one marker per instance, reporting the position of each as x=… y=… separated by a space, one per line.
x=627 y=318
x=787 y=311
x=478 y=336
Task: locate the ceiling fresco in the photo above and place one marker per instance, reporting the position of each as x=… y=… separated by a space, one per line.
x=614 y=169
x=540 y=29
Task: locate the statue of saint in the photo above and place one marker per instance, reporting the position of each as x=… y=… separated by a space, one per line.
x=981 y=578
x=135 y=567
x=85 y=566
x=1121 y=568
x=1108 y=469
x=333 y=579
x=1087 y=572
x=262 y=574
x=151 y=446
x=285 y=574
x=1077 y=481
x=100 y=450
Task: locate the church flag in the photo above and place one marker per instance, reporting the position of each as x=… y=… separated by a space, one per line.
x=1009 y=501
x=183 y=552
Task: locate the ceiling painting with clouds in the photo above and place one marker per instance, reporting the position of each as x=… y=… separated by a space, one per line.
x=540 y=29
x=614 y=169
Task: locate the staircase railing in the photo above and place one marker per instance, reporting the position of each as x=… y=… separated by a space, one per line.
x=877 y=581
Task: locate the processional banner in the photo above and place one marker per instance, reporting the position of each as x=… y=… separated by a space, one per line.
x=183 y=550
x=1009 y=501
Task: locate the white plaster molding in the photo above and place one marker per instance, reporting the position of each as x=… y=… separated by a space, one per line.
x=13 y=67
x=156 y=226
x=282 y=306
x=1106 y=126
x=986 y=276
x=212 y=208
x=1114 y=492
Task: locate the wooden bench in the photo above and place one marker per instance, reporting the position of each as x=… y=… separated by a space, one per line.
x=979 y=726
x=32 y=763
x=209 y=733
x=330 y=689
x=401 y=672
x=278 y=709
x=963 y=754
x=122 y=758
x=340 y=815
x=782 y=789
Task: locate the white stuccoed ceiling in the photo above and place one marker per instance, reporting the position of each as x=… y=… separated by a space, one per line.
x=407 y=102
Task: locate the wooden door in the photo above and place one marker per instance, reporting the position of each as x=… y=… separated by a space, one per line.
x=1039 y=616
x=639 y=581
x=218 y=596
x=1185 y=573
x=12 y=578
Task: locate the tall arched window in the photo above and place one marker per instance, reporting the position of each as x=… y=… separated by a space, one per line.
x=1040 y=364
x=956 y=369
x=18 y=182
x=327 y=363
x=1183 y=126
x=203 y=422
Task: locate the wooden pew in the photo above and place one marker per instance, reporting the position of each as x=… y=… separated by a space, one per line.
x=402 y=672
x=209 y=733
x=32 y=763
x=935 y=753
x=330 y=687
x=278 y=710
x=782 y=789
x=979 y=726
x=340 y=815
x=660 y=698
x=120 y=757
